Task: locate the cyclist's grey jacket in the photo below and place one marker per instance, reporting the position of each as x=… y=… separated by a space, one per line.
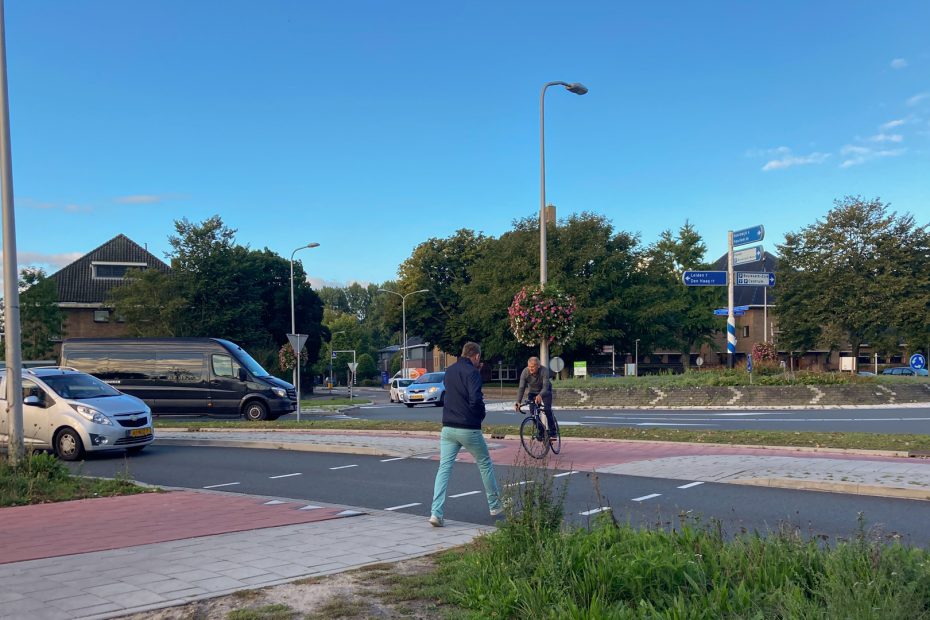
x=463 y=403
x=535 y=384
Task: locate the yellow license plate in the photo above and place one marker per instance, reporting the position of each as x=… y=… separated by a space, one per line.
x=140 y=432
x=416 y=397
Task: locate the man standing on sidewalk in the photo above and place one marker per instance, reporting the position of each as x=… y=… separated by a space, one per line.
x=462 y=415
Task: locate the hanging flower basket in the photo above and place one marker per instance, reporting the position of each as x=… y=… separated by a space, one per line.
x=287 y=359
x=538 y=314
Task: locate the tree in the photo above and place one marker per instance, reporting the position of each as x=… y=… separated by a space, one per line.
x=40 y=316
x=366 y=367
x=684 y=319
x=853 y=277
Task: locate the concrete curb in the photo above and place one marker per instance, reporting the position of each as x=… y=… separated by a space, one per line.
x=848 y=488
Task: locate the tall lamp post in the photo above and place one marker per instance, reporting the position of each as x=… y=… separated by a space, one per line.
x=296 y=373
x=331 y=338
x=578 y=89
x=403 y=309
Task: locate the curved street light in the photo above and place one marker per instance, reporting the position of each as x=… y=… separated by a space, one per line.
x=403 y=309
x=578 y=89
x=296 y=374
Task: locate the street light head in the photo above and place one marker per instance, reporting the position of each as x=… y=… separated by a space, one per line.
x=313 y=245
x=577 y=87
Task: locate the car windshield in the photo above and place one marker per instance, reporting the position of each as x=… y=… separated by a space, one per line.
x=78 y=386
x=433 y=377
x=404 y=382
x=253 y=367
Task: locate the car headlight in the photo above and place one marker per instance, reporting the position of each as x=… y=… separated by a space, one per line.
x=279 y=392
x=93 y=415
x=433 y=390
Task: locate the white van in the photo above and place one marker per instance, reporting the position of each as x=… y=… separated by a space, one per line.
x=70 y=413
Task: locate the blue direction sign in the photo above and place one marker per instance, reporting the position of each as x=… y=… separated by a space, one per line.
x=747 y=255
x=724 y=312
x=748 y=235
x=755 y=278
x=704 y=278
x=918 y=361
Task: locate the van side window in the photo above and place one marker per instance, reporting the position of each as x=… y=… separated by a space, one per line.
x=131 y=365
x=91 y=362
x=181 y=366
x=223 y=366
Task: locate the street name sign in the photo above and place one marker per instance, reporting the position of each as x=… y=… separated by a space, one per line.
x=724 y=312
x=704 y=278
x=748 y=235
x=747 y=255
x=755 y=278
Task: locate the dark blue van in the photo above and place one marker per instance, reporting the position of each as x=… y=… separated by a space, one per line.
x=184 y=376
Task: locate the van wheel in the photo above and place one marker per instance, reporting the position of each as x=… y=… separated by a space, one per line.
x=68 y=445
x=255 y=411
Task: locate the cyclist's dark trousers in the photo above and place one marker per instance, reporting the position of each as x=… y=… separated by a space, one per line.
x=551 y=424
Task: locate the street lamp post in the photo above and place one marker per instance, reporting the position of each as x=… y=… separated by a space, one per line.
x=578 y=89
x=403 y=310
x=296 y=374
x=636 y=359
x=331 y=351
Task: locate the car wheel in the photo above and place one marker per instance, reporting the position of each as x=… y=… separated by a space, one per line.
x=68 y=445
x=409 y=405
x=439 y=402
x=255 y=411
x=135 y=449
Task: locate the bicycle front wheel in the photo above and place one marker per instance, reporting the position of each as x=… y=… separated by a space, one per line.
x=533 y=437
x=555 y=443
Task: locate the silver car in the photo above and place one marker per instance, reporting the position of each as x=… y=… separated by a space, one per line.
x=428 y=388
x=70 y=413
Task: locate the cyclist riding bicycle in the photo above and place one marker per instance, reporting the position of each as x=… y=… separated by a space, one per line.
x=534 y=380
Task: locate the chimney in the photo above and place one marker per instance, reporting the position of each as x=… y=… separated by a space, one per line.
x=550 y=214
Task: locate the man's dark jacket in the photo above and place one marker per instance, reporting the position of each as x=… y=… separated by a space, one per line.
x=463 y=403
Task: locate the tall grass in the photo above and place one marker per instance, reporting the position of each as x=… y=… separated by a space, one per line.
x=534 y=567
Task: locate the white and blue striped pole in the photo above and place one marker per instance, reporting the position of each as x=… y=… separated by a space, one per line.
x=731 y=319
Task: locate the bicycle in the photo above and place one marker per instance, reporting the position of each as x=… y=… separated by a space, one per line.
x=535 y=436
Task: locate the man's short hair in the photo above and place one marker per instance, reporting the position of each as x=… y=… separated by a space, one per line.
x=471 y=349
x=532 y=359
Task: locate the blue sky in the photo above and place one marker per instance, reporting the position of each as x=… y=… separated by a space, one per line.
x=371 y=126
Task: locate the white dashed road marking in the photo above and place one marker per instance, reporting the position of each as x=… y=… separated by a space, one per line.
x=689 y=485
x=284 y=476
x=464 y=494
x=565 y=473
x=216 y=486
x=403 y=506
x=594 y=511
x=645 y=497
x=344 y=467
x=517 y=484
x=396 y=458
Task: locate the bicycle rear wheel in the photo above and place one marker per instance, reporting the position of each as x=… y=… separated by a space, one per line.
x=533 y=437
x=555 y=443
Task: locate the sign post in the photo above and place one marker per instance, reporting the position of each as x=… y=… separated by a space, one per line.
x=297 y=343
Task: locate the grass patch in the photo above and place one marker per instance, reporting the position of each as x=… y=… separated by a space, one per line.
x=343 y=607
x=858 y=441
x=334 y=401
x=534 y=567
x=41 y=478
x=268 y=612
x=734 y=378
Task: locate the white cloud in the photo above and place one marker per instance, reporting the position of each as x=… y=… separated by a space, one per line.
x=912 y=101
x=884 y=137
x=49 y=262
x=31 y=203
x=898 y=63
x=856 y=155
x=778 y=151
x=139 y=199
x=318 y=283
x=787 y=160
x=892 y=124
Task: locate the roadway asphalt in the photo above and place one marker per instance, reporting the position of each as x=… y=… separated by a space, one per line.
x=320 y=502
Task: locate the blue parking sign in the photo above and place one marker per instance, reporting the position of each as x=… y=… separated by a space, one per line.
x=918 y=361
x=384 y=377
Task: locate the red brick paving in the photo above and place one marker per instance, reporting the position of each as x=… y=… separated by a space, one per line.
x=81 y=526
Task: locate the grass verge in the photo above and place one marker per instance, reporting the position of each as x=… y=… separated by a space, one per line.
x=857 y=441
x=41 y=478
x=535 y=567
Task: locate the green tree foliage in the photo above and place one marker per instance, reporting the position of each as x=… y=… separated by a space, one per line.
x=859 y=275
x=219 y=289
x=678 y=317
x=367 y=368
x=39 y=315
